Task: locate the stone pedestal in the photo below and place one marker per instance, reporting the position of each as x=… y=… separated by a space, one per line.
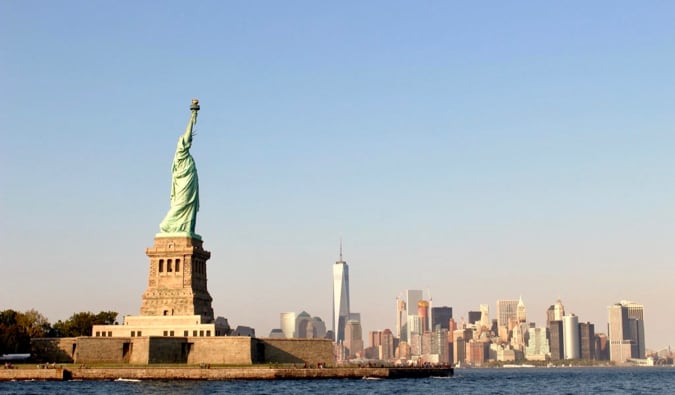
x=177 y=278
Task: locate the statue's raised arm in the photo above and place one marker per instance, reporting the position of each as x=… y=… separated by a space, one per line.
x=182 y=215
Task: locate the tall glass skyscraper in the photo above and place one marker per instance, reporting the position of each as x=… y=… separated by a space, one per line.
x=340 y=297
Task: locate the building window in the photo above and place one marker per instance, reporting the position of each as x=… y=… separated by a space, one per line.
x=177 y=265
x=208 y=333
x=166 y=333
x=98 y=333
x=139 y=333
x=194 y=333
x=168 y=265
x=201 y=333
x=161 y=265
x=133 y=333
x=170 y=333
x=185 y=333
x=109 y=333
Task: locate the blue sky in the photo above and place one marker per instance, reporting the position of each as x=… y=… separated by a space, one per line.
x=481 y=151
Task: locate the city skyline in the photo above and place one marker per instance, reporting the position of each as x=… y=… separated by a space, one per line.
x=483 y=152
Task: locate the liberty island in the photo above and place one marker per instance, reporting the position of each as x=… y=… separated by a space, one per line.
x=177 y=324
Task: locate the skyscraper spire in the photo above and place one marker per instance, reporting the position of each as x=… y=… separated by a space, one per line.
x=340 y=248
x=341 y=310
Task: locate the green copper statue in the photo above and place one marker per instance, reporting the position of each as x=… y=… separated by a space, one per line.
x=182 y=215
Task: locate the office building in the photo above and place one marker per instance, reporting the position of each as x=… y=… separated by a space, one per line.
x=571 y=337
x=587 y=340
x=555 y=340
x=637 y=328
x=537 y=344
x=474 y=317
x=288 y=324
x=423 y=313
x=401 y=319
x=521 y=312
x=340 y=297
x=485 y=316
x=386 y=347
x=507 y=313
x=441 y=316
x=353 y=338
x=555 y=312
x=626 y=331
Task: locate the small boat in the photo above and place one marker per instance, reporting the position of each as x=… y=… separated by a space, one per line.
x=129 y=380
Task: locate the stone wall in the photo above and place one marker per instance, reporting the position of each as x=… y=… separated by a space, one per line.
x=228 y=350
x=223 y=350
x=59 y=350
x=140 y=351
x=298 y=351
x=103 y=349
x=168 y=350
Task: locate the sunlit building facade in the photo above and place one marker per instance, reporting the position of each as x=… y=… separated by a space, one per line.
x=340 y=297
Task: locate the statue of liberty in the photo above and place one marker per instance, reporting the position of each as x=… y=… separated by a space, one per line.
x=182 y=215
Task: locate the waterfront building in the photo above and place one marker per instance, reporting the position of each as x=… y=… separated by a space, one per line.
x=637 y=328
x=601 y=347
x=427 y=341
x=353 y=338
x=340 y=297
x=587 y=340
x=556 y=339
x=626 y=331
x=386 y=347
x=477 y=352
x=460 y=338
x=537 y=345
x=288 y=324
x=415 y=344
x=403 y=351
x=439 y=345
x=571 y=337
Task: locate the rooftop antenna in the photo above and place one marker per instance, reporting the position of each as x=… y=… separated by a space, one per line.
x=340 y=248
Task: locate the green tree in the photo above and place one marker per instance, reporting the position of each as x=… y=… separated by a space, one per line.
x=79 y=324
x=13 y=337
x=34 y=323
